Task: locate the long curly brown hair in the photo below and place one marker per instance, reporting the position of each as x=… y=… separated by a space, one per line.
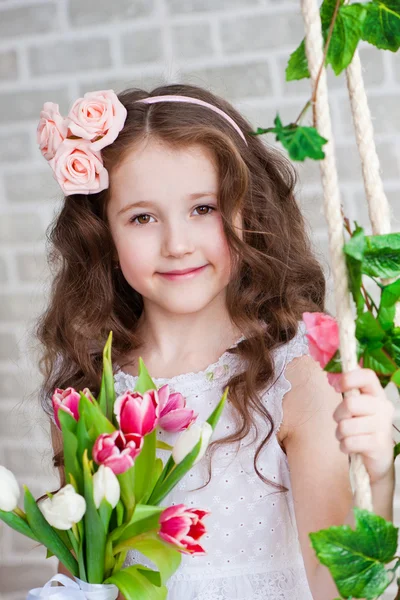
x=276 y=276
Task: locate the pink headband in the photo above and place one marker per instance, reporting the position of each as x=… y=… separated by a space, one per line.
x=154 y=99
x=72 y=145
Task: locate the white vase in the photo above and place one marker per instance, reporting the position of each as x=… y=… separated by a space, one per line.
x=74 y=589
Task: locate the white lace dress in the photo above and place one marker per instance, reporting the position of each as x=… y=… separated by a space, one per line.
x=252 y=546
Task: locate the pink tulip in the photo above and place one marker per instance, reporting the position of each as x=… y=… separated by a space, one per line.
x=174 y=416
x=117 y=451
x=67 y=400
x=182 y=527
x=323 y=341
x=136 y=413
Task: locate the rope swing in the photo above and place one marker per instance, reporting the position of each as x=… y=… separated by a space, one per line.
x=314 y=45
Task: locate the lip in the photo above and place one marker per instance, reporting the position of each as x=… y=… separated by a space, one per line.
x=183 y=274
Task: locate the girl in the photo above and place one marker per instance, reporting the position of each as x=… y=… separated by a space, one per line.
x=189 y=245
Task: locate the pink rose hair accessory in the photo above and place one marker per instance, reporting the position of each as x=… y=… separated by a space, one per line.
x=72 y=144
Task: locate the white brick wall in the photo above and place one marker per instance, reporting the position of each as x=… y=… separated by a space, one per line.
x=55 y=50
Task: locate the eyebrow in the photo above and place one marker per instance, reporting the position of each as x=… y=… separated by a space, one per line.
x=144 y=203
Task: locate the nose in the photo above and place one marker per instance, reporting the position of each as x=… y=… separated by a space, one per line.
x=177 y=240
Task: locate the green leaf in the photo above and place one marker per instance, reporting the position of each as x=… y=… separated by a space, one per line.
x=145 y=518
x=134 y=585
x=120 y=513
x=382 y=24
x=354 y=253
x=163 y=445
x=382 y=256
x=390 y=294
x=356 y=558
x=345 y=37
x=301 y=142
x=107 y=390
x=18 y=523
x=335 y=363
x=144 y=382
x=83 y=438
x=94 y=529
x=105 y=510
x=174 y=476
x=144 y=466
x=217 y=412
x=166 y=558
x=378 y=361
x=173 y=473
x=368 y=329
x=127 y=486
x=46 y=535
x=297 y=67
x=396 y=377
x=396 y=451
x=96 y=422
x=70 y=445
x=157 y=471
x=346 y=33
x=387 y=308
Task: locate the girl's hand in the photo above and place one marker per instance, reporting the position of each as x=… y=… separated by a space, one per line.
x=365 y=422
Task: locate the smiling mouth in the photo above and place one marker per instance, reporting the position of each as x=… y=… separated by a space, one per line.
x=184 y=274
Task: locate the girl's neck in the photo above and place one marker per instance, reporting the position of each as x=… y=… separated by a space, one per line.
x=175 y=344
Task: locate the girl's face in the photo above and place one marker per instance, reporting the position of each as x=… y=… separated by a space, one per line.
x=163 y=217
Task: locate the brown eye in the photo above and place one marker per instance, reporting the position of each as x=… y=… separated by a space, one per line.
x=141 y=219
x=204 y=209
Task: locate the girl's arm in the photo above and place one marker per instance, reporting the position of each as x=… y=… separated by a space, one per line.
x=321 y=432
x=56 y=439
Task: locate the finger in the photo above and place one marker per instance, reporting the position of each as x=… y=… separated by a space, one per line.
x=355 y=426
x=366 y=380
x=358 y=444
x=356 y=406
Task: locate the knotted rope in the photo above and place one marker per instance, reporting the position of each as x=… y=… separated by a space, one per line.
x=359 y=477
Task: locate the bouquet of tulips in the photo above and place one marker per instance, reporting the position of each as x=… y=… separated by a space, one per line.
x=111 y=503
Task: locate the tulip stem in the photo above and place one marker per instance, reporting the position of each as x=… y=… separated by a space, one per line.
x=76 y=531
x=20 y=513
x=73 y=541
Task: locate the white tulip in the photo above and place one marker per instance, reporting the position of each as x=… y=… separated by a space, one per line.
x=9 y=490
x=64 y=509
x=105 y=485
x=189 y=438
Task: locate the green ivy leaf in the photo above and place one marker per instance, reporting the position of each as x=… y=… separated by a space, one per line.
x=387 y=308
x=356 y=558
x=345 y=37
x=300 y=142
x=378 y=361
x=346 y=33
x=382 y=24
x=396 y=377
x=368 y=329
x=297 y=67
x=382 y=256
x=354 y=252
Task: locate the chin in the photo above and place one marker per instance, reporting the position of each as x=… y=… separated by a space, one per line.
x=185 y=303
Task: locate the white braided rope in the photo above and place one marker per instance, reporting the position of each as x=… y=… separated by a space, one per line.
x=378 y=205
x=359 y=477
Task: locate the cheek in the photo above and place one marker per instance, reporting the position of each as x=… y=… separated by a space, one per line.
x=219 y=248
x=136 y=257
